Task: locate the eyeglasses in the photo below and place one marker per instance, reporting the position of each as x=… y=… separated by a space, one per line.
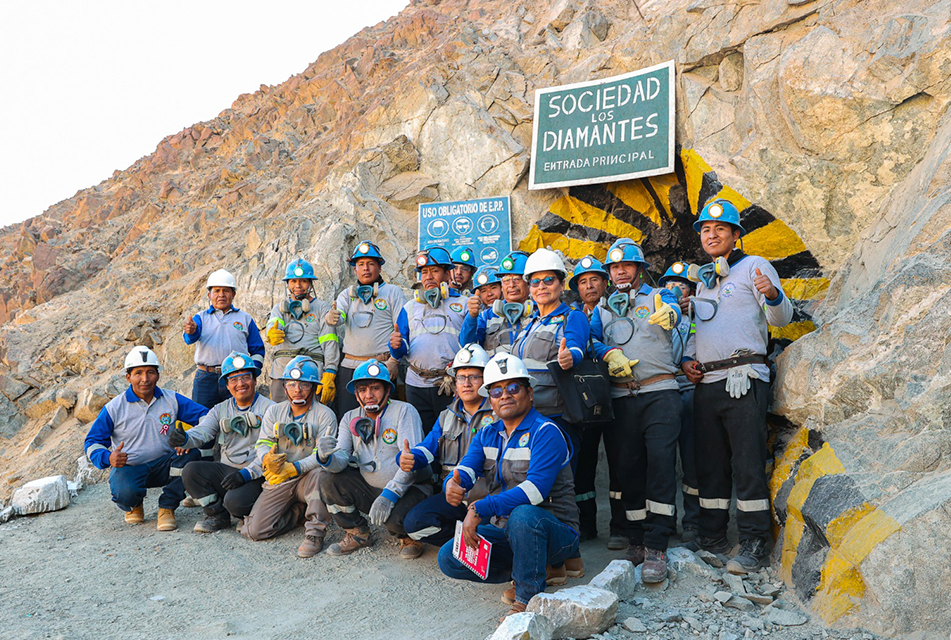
x=241 y=377
x=298 y=384
x=547 y=281
x=511 y=279
x=469 y=379
x=512 y=388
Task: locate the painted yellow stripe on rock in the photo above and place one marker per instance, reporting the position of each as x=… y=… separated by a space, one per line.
x=805 y=288
x=792 y=331
x=581 y=213
x=741 y=203
x=822 y=463
x=694 y=168
x=634 y=194
x=791 y=454
x=773 y=241
x=571 y=247
x=662 y=185
x=792 y=535
x=841 y=588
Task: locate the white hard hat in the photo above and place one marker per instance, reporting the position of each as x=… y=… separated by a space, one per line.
x=544 y=260
x=471 y=355
x=142 y=357
x=504 y=366
x=221 y=278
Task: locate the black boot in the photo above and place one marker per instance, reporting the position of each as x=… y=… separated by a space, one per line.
x=753 y=555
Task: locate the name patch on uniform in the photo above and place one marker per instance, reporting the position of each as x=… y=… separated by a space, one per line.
x=239 y=326
x=642 y=312
x=389 y=436
x=557 y=319
x=380 y=304
x=455 y=306
x=728 y=289
x=523 y=440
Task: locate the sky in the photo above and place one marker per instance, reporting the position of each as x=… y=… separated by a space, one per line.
x=90 y=87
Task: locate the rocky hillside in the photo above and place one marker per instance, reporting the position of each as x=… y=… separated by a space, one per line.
x=826 y=121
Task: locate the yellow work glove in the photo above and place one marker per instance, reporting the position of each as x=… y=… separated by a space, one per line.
x=328 y=389
x=273 y=462
x=275 y=335
x=288 y=471
x=619 y=365
x=664 y=314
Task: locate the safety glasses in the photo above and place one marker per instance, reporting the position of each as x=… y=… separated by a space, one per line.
x=298 y=384
x=512 y=388
x=706 y=310
x=477 y=380
x=239 y=377
x=547 y=281
x=510 y=279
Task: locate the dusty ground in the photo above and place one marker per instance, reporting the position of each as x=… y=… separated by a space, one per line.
x=83 y=573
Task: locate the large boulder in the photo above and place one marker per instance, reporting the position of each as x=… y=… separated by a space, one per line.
x=40 y=496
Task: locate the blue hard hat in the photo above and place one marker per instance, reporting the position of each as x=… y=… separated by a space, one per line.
x=513 y=264
x=676 y=271
x=721 y=210
x=625 y=250
x=370 y=370
x=366 y=249
x=588 y=264
x=486 y=275
x=464 y=256
x=302 y=369
x=238 y=361
x=299 y=268
x=433 y=257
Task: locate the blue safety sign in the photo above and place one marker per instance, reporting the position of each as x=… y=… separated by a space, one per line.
x=484 y=225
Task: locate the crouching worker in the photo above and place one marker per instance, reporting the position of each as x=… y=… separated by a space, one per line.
x=225 y=488
x=530 y=515
x=364 y=476
x=285 y=456
x=434 y=520
x=130 y=436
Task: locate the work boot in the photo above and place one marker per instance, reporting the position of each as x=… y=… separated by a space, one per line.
x=751 y=556
x=213 y=523
x=689 y=535
x=635 y=554
x=166 y=520
x=654 y=569
x=410 y=549
x=556 y=576
x=508 y=596
x=714 y=545
x=517 y=607
x=355 y=539
x=574 y=567
x=617 y=542
x=311 y=546
x=189 y=502
x=136 y=516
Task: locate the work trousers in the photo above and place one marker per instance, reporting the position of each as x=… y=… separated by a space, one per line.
x=203 y=483
x=647 y=426
x=428 y=403
x=433 y=520
x=281 y=507
x=532 y=538
x=585 y=492
x=730 y=445
x=130 y=484
x=208 y=390
x=688 y=465
x=345 y=401
x=348 y=496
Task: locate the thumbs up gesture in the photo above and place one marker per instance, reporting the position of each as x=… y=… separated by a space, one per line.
x=664 y=314
x=396 y=338
x=118 y=458
x=455 y=494
x=565 y=361
x=190 y=325
x=407 y=461
x=333 y=316
x=764 y=285
x=177 y=437
x=273 y=461
x=474 y=303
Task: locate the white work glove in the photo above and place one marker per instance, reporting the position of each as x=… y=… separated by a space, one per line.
x=446 y=386
x=380 y=510
x=332 y=317
x=326 y=445
x=738 y=380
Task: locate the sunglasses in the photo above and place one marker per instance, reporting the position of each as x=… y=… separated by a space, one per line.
x=547 y=281
x=512 y=388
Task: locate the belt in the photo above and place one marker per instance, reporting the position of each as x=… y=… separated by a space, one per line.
x=428 y=373
x=209 y=369
x=636 y=384
x=735 y=361
x=382 y=357
x=318 y=357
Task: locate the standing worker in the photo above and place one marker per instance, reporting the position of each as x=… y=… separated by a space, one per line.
x=737 y=296
x=365 y=312
x=487 y=285
x=497 y=327
x=216 y=332
x=297 y=327
x=463 y=269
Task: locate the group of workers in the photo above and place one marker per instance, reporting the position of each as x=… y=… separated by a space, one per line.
x=481 y=437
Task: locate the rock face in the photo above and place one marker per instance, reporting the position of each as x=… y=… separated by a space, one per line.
x=825 y=122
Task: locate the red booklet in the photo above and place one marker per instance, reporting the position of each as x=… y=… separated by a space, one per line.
x=476 y=560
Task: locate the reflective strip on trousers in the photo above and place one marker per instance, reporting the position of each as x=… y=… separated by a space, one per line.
x=660 y=508
x=425 y=532
x=207 y=453
x=207 y=500
x=333 y=508
x=581 y=497
x=636 y=514
x=715 y=503
x=690 y=491
x=614 y=495
x=174 y=472
x=752 y=505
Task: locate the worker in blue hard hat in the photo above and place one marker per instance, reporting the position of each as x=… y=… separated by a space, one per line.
x=496 y=327
x=296 y=327
x=487 y=284
x=463 y=269
x=738 y=297
x=590 y=281
x=365 y=312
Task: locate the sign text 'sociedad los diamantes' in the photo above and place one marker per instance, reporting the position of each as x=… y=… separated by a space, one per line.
x=607 y=130
x=484 y=225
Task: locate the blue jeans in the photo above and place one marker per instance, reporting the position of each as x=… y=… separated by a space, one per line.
x=433 y=520
x=130 y=483
x=208 y=390
x=531 y=539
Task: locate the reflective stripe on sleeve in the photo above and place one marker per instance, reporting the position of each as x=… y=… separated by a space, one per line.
x=469 y=472
x=534 y=495
x=328 y=337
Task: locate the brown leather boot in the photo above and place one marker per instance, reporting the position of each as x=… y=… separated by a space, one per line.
x=654 y=569
x=136 y=516
x=574 y=567
x=635 y=554
x=410 y=549
x=508 y=596
x=556 y=576
x=355 y=539
x=311 y=546
x=166 y=520
x=517 y=607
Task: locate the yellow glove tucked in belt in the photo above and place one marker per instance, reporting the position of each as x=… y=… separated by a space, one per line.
x=328 y=389
x=619 y=365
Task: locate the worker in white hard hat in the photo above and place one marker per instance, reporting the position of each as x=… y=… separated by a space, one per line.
x=130 y=438
x=216 y=332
